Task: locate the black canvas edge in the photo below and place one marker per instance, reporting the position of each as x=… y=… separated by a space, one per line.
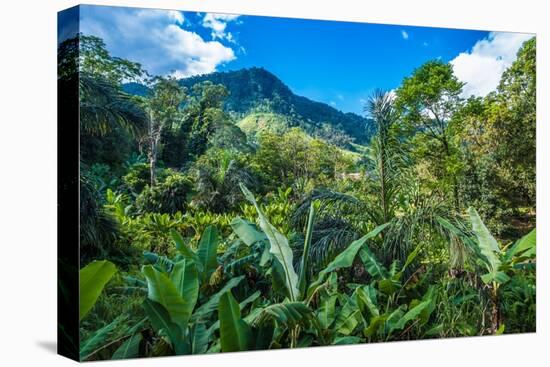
x=68 y=217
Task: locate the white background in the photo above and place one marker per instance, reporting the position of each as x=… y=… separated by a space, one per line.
x=28 y=182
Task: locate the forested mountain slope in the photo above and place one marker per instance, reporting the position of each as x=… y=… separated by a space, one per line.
x=257 y=91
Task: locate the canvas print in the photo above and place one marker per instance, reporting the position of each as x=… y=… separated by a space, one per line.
x=254 y=183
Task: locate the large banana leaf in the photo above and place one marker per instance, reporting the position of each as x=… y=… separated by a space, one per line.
x=372 y=265
x=524 y=247
x=162 y=290
x=129 y=349
x=209 y=306
x=184 y=276
x=326 y=312
x=349 y=316
x=246 y=231
x=346 y=257
x=208 y=247
x=184 y=250
x=288 y=314
x=367 y=296
x=412 y=314
x=215 y=326
x=280 y=248
x=93 y=278
x=487 y=244
x=200 y=337
x=235 y=333
x=99 y=338
x=161 y=321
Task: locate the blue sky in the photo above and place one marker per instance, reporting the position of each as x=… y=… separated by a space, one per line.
x=339 y=63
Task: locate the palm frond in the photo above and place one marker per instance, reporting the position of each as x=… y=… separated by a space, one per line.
x=103 y=107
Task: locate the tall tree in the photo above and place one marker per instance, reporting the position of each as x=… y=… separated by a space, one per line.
x=164 y=111
x=426 y=101
x=384 y=154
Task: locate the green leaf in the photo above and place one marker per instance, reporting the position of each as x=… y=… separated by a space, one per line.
x=388 y=286
x=373 y=267
x=376 y=323
x=345 y=340
x=410 y=259
x=215 y=326
x=235 y=333
x=435 y=331
x=183 y=249
x=128 y=349
x=500 y=330
x=349 y=316
x=280 y=248
x=486 y=242
x=162 y=290
x=99 y=338
x=208 y=247
x=525 y=246
x=346 y=257
x=247 y=232
x=161 y=321
x=326 y=313
x=410 y=315
x=212 y=304
x=305 y=253
x=495 y=276
x=367 y=295
x=201 y=335
x=289 y=314
x=185 y=278
x=93 y=278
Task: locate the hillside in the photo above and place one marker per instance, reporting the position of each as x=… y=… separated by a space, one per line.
x=256 y=90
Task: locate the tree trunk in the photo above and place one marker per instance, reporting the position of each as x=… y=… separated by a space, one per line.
x=495 y=312
x=152 y=150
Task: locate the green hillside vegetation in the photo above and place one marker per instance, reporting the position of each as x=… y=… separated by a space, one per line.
x=254 y=124
x=218 y=215
x=256 y=90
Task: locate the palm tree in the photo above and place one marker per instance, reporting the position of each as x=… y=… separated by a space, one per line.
x=104 y=106
x=385 y=157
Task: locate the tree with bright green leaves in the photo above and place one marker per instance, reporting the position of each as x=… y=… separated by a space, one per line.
x=512 y=121
x=498 y=136
x=426 y=102
x=204 y=114
x=164 y=112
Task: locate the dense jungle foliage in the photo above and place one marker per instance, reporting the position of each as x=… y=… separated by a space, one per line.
x=206 y=230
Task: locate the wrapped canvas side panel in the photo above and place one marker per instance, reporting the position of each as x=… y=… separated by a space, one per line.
x=68 y=184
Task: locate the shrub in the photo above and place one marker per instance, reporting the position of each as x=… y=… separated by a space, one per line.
x=169 y=196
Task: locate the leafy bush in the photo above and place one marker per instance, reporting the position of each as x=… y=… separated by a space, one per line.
x=169 y=196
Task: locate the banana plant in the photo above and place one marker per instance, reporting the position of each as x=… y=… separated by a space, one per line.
x=300 y=292
x=93 y=278
x=497 y=261
x=172 y=304
x=344 y=316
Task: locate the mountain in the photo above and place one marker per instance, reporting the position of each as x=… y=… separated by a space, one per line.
x=259 y=97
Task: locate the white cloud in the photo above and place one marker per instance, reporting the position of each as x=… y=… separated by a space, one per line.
x=156 y=39
x=340 y=96
x=425 y=44
x=404 y=34
x=482 y=66
x=218 y=24
x=332 y=103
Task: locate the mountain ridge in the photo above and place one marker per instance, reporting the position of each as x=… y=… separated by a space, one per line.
x=254 y=90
